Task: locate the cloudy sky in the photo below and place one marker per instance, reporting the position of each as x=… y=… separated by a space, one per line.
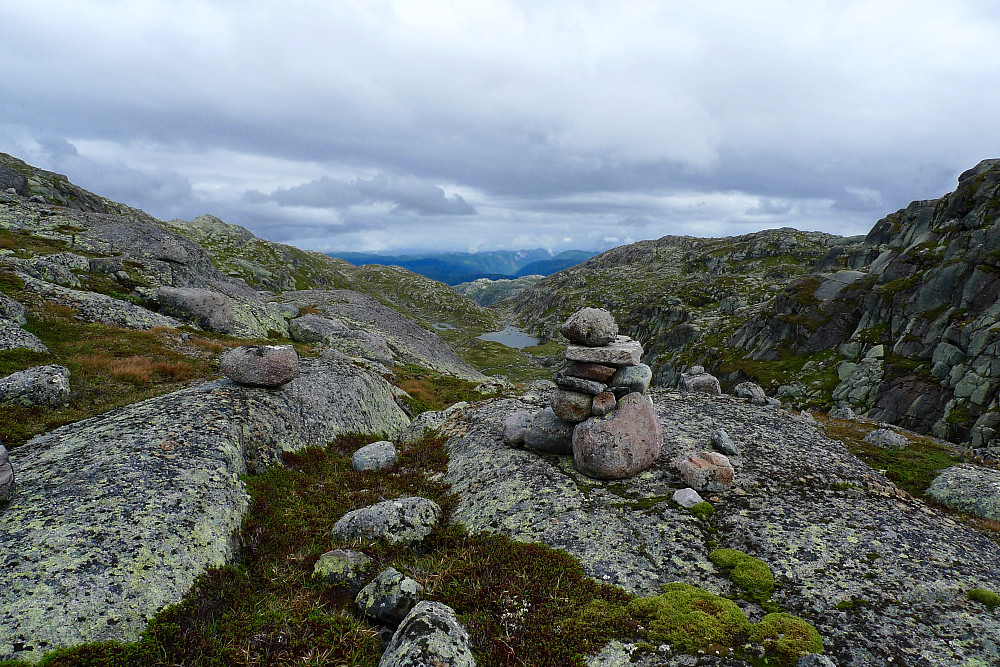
x=402 y=125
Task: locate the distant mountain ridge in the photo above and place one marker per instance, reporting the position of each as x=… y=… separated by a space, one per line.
x=461 y=267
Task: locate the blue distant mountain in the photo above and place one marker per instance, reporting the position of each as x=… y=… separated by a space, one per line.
x=461 y=267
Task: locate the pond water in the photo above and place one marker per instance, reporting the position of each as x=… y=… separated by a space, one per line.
x=511 y=337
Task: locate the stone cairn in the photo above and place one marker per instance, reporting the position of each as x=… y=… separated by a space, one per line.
x=599 y=411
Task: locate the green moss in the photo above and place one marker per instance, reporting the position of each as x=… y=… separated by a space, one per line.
x=988 y=598
x=749 y=573
x=786 y=637
x=691 y=619
x=702 y=510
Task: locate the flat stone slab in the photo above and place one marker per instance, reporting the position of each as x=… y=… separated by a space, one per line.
x=622 y=351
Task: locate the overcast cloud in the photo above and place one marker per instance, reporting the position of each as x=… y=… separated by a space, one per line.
x=471 y=124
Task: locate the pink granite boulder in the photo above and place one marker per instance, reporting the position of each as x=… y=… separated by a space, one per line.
x=620 y=445
x=706 y=471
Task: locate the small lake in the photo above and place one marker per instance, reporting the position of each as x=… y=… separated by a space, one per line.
x=511 y=337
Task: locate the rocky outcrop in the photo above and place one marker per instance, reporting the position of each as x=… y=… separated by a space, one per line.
x=43 y=386
x=429 y=635
x=13 y=337
x=116 y=515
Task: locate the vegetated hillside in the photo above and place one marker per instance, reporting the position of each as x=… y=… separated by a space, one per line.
x=913 y=317
x=546 y=267
x=486 y=292
x=681 y=297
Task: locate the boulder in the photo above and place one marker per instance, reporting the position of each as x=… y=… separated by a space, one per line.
x=572 y=406
x=515 y=425
x=429 y=635
x=622 y=351
x=687 y=498
x=592 y=327
x=887 y=439
x=596 y=372
x=706 y=471
x=844 y=413
x=591 y=387
x=751 y=391
x=389 y=597
x=404 y=520
x=312 y=328
x=345 y=567
x=376 y=456
x=538 y=392
x=260 y=365
x=620 y=445
x=633 y=378
x=604 y=404
x=428 y=421
x=11 y=310
x=6 y=476
x=44 y=386
x=724 y=443
x=701 y=382
x=13 y=337
x=549 y=434
x=209 y=310
x=969 y=488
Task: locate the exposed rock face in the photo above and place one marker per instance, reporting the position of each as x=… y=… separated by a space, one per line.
x=209 y=310
x=13 y=337
x=426 y=422
x=620 y=445
x=315 y=329
x=141 y=515
x=6 y=475
x=972 y=489
x=376 y=456
x=389 y=597
x=44 y=386
x=11 y=310
x=260 y=365
x=429 y=635
x=549 y=434
x=592 y=327
x=407 y=520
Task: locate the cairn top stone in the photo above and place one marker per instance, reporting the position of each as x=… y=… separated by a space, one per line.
x=592 y=327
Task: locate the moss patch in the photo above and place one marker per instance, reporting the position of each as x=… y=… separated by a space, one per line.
x=749 y=573
x=988 y=598
x=786 y=637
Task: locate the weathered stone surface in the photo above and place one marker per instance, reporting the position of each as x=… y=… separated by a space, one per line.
x=707 y=471
x=970 y=488
x=515 y=426
x=724 y=443
x=44 y=386
x=11 y=179
x=572 y=383
x=146 y=511
x=6 y=475
x=604 y=404
x=633 y=378
x=751 y=391
x=389 y=597
x=207 y=309
x=572 y=406
x=843 y=412
x=260 y=365
x=596 y=372
x=428 y=421
x=687 y=497
x=592 y=327
x=538 y=392
x=13 y=337
x=620 y=445
x=622 y=351
x=344 y=566
x=11 y=309
x=376 y=456
x=404 y=520
x=887 y=438
x=429 y=635
x=815 y=660
x=312 y=328
x=702 y=382
x=548 y=433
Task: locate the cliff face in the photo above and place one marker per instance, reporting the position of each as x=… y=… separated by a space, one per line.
x=915 y=319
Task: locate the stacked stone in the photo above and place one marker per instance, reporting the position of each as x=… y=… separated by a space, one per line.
x=599 y=411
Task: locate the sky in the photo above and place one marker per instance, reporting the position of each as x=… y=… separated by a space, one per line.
x=468 y=125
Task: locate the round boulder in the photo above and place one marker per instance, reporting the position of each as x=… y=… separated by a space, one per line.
x=44 y=386
x=701 y=382
x=260 y=365
x=389 y=597
x=404 y=520
x=514 y=427
x=376 y=456
x=620 y=445
x=592 y=327
x=429 y=635
x=887 y=439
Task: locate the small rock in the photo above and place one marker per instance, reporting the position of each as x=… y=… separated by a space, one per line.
x=404 y=520
x=44 y=386
x=696 y=370
x=572 y=406
x=6 y=476
x=707 y=471
x=634 y=378
x=620 y=445
x=514 y=427
x=389 y=597
x=844 y=413
x=604 y=404
x=724 y=443
x=596 y=372
x=579 y=384
x=887 y=439
x=548 y=433
x=700 y=382
x=592 y=327
x=751 y=391
x=807 y=417
x=538 y=392
x=687 y=497
x=622 y=351
x=343 y=566
x=430 y=635
x=37 y=199
x=815 y=660
x=260 y=365
x=376 y=456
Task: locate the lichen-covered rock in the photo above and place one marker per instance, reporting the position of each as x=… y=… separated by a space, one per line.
x=389 y=597
x=260 y=365
x=970 y=488
x=752 y=392
x=404 y=520
x=549 y=434
x=724 y=443
x=207 y=309
x=428 y=421
x=620 y=445
x=344 y=566
x=376 y=456
x=572 y=406
x=592 y=327
x=13 y=337
x=701 y=382
x=633 y=378
x=687 y=497
x=622 y=351
x=887 y=438
x=707 y=471
x=6 y=475
x=429 y=635
x=844 y=412
x=11 y=309
x=107 y=535
x=44 y=386
x=515 y=426
x=312 y=328
x=579 y=384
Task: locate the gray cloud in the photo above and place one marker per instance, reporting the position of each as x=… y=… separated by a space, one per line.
x=405 y=194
